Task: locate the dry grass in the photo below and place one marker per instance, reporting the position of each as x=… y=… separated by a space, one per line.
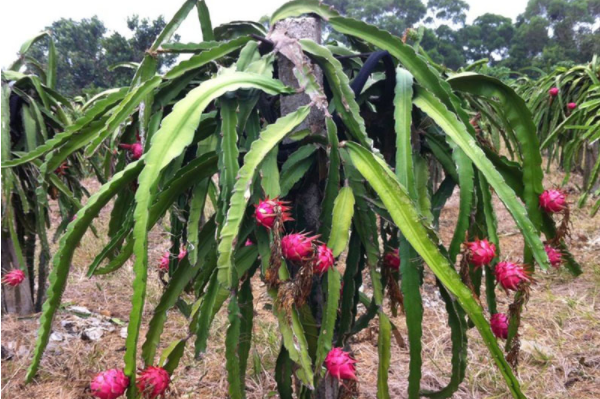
x=561 y=332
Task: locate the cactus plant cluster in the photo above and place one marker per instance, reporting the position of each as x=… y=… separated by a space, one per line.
x=565 y=108
x=249 y=192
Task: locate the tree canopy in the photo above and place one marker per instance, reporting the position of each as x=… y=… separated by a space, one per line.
x=87 y=53
x=549 y=32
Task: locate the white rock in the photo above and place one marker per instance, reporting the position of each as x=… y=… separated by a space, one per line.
x=80 y=309
x=56 y=336
x=92 y=334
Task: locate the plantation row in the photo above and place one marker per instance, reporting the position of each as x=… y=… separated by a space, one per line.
x=349 y=183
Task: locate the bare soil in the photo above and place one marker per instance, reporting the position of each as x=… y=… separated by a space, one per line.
x=560 y=330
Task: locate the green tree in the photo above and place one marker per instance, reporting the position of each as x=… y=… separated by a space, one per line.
x=489 y=37
x=529 y=41
x=392 y=15
x=554 y=31
x=85 y=52
x=454 y=11
x=443 y=46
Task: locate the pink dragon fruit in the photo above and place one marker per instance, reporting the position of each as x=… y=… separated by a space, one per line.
x=248 y=243
x=481 y=252
x=340 y=364
x=182 y=254
x=553 y=201
x=391 y=259
x=153 y=382
x=297 y=247
x=571 y=106
x=136 y=150
x=109 y=384
x=164 y=262
x=62 y=169
x=14 y=277
x=499 y=324
x=510 y=275
x=553 y=91
x=325 y=259
x=554 y=255
x=266 y=212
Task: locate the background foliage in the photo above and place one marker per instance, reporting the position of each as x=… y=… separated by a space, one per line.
x=86 y=54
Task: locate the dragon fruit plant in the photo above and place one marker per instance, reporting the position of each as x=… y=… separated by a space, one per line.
x=36 y=116
x=567 y=124
x=305 y=194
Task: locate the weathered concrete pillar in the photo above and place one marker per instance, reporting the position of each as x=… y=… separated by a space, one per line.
x=18 y=299
x=310 y=197
x=591 y=153
x=300 y=28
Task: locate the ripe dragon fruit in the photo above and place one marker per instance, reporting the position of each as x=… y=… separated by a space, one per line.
x=109 y=384
x=164 y=262
x=266 y=212
x=297 y=247
x=14 y=277
x=340 y=364
x=153 y=382
x=391 y=259
x=510 y=275
x=553 y=201
x=554 y=255
x=248 y=243
x=553 y=91
x=499 y=324
x=571 y=106
x=182 y=254
x=325 y=259
x=62 y=169
x=481 y=252
x=136 y=150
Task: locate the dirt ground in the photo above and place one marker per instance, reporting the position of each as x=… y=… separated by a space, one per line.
x=560 y=331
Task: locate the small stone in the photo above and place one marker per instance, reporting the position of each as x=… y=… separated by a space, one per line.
x=69 y=326
x=23 y=352
x=56 y=336
x=92 y=334
x=6 y=355
x=80 y=309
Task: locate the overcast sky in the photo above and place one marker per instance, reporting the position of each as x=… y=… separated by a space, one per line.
x=22 y=19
